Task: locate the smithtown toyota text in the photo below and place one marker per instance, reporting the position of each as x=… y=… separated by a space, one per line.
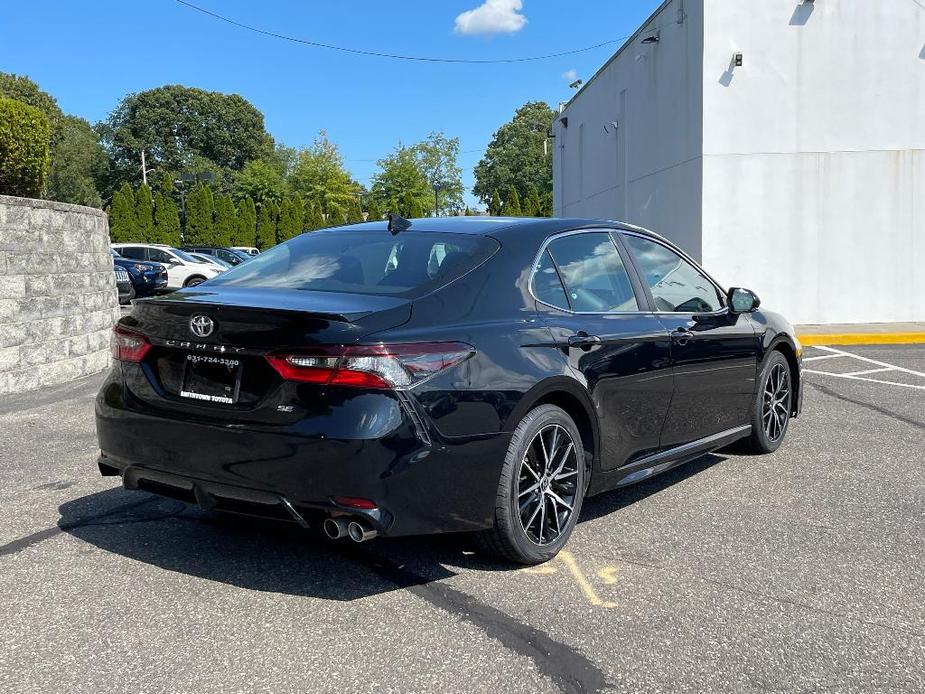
x=478 y=374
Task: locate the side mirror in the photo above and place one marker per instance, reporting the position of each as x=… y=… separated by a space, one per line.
x=742 y=300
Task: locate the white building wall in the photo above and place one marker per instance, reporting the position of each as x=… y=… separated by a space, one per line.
x=646 y=169
x=814 y=156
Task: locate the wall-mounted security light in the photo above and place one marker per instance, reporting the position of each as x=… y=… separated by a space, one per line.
x=652 y=38
x=737 y=59
x=575 y=84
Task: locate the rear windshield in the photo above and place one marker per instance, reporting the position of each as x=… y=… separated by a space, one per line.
x=408 y=265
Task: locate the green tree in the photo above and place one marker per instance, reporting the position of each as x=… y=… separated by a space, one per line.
x=24 y=149
x=166 y=220
x=77 y=161
x=200 y=228
x=512 y=203
x=320 y=177
x=260 y=180
x=290 y=219
x=373 y=213
x=518 y=154
x=354 y=212
x=494 y=205
x=415 y=210
x=174 y=124
x=312 y=218
x=225 y=224
x=437 y=157
x=468 y=212
x=401 y=180
x=78 y=165
x=122 y=223
x=532 y=205
x=246 y=228
x=144 y=214
x=266 y=227
x=546 y=204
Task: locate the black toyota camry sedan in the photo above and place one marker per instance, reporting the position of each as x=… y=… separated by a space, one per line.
x=461 y=374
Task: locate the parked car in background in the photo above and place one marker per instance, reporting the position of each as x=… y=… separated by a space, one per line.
x=232 y=256
x=250 y=250
x=212 y=260
x=463 y=373
x=147 y=278
x=123 y=285
x=183 y=270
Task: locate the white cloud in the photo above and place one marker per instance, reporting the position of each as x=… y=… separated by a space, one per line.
x=492 y=17
x=570 y=75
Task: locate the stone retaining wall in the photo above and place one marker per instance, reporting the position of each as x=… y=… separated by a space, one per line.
x=58 y=298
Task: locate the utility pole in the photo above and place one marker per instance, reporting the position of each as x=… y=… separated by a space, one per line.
x=144 y=169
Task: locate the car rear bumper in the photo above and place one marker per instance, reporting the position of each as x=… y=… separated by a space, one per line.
x=419 y=483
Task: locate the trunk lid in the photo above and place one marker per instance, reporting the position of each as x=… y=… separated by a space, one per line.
x=246 y=324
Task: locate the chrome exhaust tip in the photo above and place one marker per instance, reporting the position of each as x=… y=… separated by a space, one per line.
x=335 y=528
x=360 y=532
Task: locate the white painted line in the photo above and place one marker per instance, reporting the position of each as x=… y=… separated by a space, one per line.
x=872 y=361
x=824 y=356
x=861 y=378
x=869 y=371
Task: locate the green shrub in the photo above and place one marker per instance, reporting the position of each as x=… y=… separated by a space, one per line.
x=24 y=149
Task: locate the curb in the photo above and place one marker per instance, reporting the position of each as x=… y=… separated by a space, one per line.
x=811 y=340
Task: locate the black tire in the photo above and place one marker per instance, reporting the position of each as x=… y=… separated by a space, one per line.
x=771 y=408
x=558 y=485
x=193 y=281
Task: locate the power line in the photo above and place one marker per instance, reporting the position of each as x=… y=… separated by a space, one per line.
x=395 y=56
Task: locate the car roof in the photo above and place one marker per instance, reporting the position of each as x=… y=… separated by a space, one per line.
x=498 y=226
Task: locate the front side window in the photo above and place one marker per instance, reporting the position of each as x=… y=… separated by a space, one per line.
x=676 y=285
x=593 y=273
x=159 y=256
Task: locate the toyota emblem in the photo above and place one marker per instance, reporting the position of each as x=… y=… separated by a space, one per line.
x=201 y=326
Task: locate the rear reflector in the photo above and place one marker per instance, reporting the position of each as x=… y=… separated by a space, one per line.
x=371 y=366
x=354 y=502
x=128 y=346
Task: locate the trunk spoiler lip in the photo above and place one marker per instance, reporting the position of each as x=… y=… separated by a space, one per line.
x=291 y=301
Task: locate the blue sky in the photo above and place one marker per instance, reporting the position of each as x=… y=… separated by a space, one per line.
x=89 y=54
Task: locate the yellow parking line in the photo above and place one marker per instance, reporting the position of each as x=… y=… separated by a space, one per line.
x=861 y=339
x=566 y=558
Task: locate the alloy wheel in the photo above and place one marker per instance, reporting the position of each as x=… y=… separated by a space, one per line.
x=776 y=402
x=547 y=484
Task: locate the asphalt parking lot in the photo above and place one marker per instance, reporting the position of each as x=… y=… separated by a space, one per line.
x=797 y=571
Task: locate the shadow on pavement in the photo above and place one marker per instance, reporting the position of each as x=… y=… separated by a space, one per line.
x=282 y=558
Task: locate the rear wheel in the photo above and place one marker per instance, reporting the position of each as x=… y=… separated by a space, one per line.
x=772 y=406
x=541 y=489
x=193 y=281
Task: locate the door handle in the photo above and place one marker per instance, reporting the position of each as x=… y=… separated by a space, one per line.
x=682 y=336
x=583 y=340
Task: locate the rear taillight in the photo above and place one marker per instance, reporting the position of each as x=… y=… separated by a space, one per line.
x=128 y=346
x=371 y=366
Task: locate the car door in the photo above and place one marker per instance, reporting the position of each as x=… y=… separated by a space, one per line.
x=176 y=271
x=590 y=299
x=714 y=352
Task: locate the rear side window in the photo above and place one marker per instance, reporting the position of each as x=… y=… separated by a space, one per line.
x=407 y=265
x=134 y=252
x=546 y=283
x=593 y=273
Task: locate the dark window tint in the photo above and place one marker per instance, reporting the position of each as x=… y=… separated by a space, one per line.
x=676 y=285
x=593 y=273
x=136 y=252
x=227 y=256
x=410 y=264
x=159 y=256
x=546 y=283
